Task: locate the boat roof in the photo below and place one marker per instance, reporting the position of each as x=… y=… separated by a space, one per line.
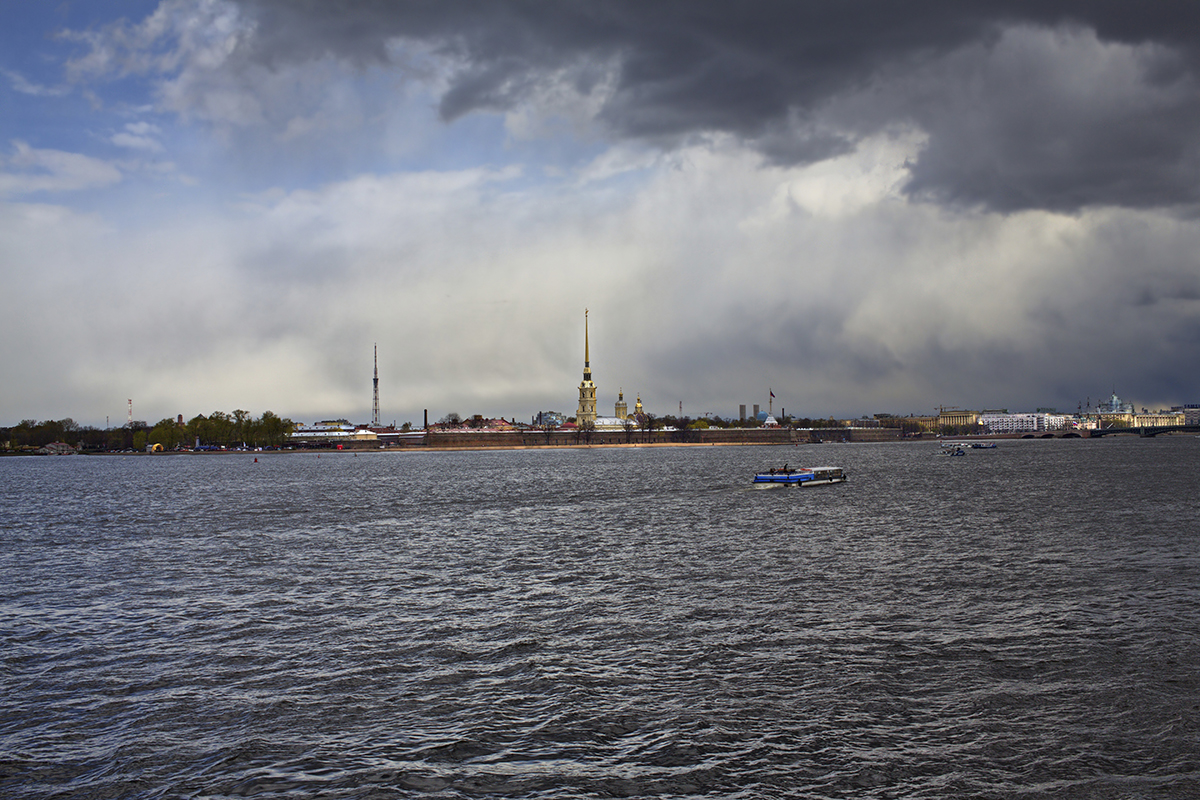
x=800 y=469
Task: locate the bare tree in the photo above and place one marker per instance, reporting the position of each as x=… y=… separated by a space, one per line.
x=648 y=422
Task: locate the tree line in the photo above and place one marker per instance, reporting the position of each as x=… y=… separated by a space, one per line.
x=215 y=430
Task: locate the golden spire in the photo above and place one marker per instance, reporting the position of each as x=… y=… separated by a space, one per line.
x=586 y=359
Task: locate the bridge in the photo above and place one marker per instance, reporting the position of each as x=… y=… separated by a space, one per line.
x=1146 y=432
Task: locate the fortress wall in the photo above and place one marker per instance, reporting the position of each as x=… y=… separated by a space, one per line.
x=479 y=440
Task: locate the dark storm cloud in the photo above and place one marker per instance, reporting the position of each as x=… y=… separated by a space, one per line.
x=768 y=72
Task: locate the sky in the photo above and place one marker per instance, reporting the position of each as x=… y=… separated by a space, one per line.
x=862 y=207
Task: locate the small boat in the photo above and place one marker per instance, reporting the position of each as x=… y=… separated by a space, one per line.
x=953 y=449
x=800 y=477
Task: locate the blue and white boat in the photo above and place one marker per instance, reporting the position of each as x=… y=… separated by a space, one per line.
x=786 y=476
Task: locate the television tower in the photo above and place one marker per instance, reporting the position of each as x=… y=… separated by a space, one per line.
x=375 y=412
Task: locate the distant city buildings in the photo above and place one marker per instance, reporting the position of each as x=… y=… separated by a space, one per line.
x=1110 y=413
x=552 y=419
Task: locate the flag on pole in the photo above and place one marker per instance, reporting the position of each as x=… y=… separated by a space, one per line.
x=772 y=393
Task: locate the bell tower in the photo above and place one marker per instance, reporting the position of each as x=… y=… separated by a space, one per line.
x=586 y=413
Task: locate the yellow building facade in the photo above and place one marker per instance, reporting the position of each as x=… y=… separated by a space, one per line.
x=958 y=419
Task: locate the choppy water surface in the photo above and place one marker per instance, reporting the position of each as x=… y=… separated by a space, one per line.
x=1023 y=622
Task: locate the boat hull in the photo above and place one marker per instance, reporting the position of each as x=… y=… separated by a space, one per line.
x=799 y=479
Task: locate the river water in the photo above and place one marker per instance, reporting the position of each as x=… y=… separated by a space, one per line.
x=1016 y=623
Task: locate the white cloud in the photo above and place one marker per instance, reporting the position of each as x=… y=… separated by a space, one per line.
x=139 y=136
x=143 y=129
x=188 y=48
x=843 y=186
x=619 y=160
x=709 y=278
x=197 y=54
x=21 y=84
x=566 y=100
x=179 y=35
x=31 y=170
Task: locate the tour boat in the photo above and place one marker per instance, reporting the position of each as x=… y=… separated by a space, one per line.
x=801 y=476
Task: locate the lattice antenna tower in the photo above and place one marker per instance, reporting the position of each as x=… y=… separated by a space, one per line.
x=375 y=411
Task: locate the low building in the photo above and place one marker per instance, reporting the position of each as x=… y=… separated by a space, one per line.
x=1025 y=422
x=319 y=431
x=332 y=431
x=915 y=424
x=958 y=418
x=1115 y=419
x=1059 y=422
x=1012 y=423
x=57 y=449
x=1159 y=419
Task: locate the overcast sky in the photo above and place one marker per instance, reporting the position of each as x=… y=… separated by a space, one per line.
x=862 y=206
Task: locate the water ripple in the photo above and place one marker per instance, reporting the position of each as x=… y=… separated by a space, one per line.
x=609 y=623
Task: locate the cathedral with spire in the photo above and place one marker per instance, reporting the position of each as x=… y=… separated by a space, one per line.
x=585 y=414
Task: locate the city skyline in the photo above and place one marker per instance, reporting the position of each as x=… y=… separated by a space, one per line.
x=750 y=411
x=867 y=207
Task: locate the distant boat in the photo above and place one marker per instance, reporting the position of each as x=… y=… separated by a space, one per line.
x=787 y=477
